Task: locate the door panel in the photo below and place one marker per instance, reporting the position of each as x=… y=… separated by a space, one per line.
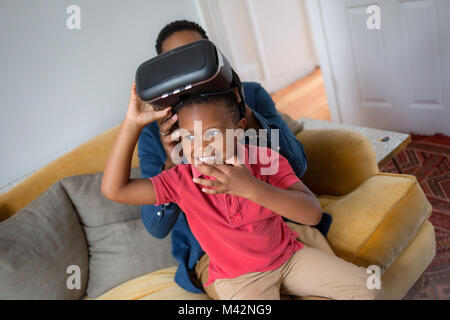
x=421 y=37
x=369 y=60
x=395 y=78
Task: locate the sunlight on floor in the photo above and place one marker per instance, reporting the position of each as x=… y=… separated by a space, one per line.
x=304 y=98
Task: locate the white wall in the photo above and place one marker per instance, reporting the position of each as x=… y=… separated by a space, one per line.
x=242 y=40
x=59 y=87
x=283 y=36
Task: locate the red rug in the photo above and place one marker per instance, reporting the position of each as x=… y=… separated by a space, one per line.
x=428 y=158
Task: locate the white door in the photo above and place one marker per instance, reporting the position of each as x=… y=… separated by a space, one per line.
x=396 y=77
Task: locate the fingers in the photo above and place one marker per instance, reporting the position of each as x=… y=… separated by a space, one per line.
x=169 y=141
x=210 y=170
x=234 y=161
x=206 y=182
x=213 y=186
x=162 y=114
x=133 y=94
x=225 y=168
x=212 y=191
x=170 y=136
x=167 y=124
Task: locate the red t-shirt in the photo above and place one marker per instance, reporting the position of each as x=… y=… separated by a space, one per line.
x=239 y=235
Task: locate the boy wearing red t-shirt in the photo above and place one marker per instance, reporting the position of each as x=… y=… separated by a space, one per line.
x=235 y=208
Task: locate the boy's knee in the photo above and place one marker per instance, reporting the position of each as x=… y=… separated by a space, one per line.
x=374 y=283
x=368 y=288
x=372 y=292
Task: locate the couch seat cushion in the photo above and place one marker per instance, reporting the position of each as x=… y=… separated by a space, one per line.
x=157 y=285
x=381 y=216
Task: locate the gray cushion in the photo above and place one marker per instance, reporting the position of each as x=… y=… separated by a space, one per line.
x=120 y=248
x=38 y=244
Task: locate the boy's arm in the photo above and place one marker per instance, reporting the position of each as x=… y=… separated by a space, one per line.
x=116 y=182
x=158 y=219
x=296 y=203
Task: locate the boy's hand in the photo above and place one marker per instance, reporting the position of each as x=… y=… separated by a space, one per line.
x=142 y=113
x=233 y=178
x=166 y=128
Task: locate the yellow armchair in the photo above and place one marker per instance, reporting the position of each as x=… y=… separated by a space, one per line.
x=378 y=218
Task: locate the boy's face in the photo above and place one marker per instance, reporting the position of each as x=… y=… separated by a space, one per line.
x=203 y=133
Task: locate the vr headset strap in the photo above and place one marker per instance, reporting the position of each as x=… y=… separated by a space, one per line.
x=237 y=82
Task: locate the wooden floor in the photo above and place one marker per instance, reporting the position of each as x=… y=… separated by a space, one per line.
x=304 y=98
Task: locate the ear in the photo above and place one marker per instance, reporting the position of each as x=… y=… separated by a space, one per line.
x=242 y=124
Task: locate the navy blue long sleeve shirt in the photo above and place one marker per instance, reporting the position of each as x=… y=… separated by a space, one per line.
x=160 y=220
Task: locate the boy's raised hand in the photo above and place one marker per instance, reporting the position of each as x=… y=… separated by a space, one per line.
x=143 y=113
x=233 y=178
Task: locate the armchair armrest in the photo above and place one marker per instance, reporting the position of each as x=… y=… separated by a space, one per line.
x=338 y=160
x=375 y=223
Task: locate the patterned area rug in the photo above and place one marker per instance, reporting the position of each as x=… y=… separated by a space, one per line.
x=428 y=158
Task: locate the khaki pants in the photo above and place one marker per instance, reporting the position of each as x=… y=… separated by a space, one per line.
x=313 y=272
x=309 y=271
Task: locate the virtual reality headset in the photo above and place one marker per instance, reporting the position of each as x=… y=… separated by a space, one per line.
x=197 y=68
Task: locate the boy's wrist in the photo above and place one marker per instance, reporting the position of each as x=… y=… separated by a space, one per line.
x=133 y=123
x=254 y=189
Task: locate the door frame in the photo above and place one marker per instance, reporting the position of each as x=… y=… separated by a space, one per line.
x=211 y=20
x=314 y=10
x=210 y=15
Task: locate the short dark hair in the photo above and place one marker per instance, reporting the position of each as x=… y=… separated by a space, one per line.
x=227 y=100
x=178 y=25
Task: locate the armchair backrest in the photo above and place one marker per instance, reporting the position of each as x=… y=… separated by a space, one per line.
x=338 y=160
